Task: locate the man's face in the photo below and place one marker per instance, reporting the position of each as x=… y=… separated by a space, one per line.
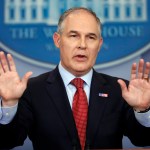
x=79 y=42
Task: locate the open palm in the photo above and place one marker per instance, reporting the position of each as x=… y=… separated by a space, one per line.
x=11 y=86
x=137 y=94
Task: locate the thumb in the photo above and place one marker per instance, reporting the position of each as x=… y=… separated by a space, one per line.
x=26 y=77
x=123 y=86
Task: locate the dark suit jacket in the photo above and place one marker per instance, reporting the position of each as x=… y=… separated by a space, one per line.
x=45 y=115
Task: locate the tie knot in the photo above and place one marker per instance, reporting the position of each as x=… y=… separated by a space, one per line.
x=77 y=82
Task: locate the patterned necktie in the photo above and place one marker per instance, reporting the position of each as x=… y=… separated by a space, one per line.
x=80 y=110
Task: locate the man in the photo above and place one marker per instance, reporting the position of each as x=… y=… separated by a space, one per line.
x=45 y=111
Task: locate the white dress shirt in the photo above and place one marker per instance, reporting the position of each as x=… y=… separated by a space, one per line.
x=68 y=77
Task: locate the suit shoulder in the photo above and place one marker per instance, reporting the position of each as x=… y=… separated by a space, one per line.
x=39 y=78
x=108 y=78
x=42 y=78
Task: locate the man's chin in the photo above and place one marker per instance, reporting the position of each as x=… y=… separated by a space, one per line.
x=81 y=71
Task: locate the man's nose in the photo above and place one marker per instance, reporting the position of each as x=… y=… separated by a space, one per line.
x=82 y=43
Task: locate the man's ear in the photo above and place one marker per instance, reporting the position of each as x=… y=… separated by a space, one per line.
x=56 y=38
x=100 y=43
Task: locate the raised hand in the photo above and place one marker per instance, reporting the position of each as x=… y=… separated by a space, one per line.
x=137 y=94
x=11 y=86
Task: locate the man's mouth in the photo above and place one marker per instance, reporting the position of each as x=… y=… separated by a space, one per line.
x=80 y=58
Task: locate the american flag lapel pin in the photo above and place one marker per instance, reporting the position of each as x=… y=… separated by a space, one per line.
x=103 y=94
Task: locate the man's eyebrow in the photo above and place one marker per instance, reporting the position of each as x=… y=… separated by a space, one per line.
x=90 y=33
x=93 y=34
x=73 y=31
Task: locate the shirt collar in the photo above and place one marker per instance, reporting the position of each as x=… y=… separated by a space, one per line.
x=67 y=76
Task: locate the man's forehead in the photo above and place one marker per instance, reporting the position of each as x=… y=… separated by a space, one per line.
x=79 y=13
x=78 y=20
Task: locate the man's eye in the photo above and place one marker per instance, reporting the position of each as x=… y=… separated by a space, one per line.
x=91 y=37
x=73 y=35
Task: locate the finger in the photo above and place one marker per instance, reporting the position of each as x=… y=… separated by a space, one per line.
x=146 y=71
x=11 y=62
x=140 y=69
x=123 y=86
x=4 y=64
x=133 y=71
x=1 y=69
x=26 y=77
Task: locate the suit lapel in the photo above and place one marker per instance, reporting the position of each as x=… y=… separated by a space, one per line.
x=97 y=105
x=57 y=92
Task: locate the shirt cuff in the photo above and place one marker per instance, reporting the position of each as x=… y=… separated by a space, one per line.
x=143 y=118
x=7 y=113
